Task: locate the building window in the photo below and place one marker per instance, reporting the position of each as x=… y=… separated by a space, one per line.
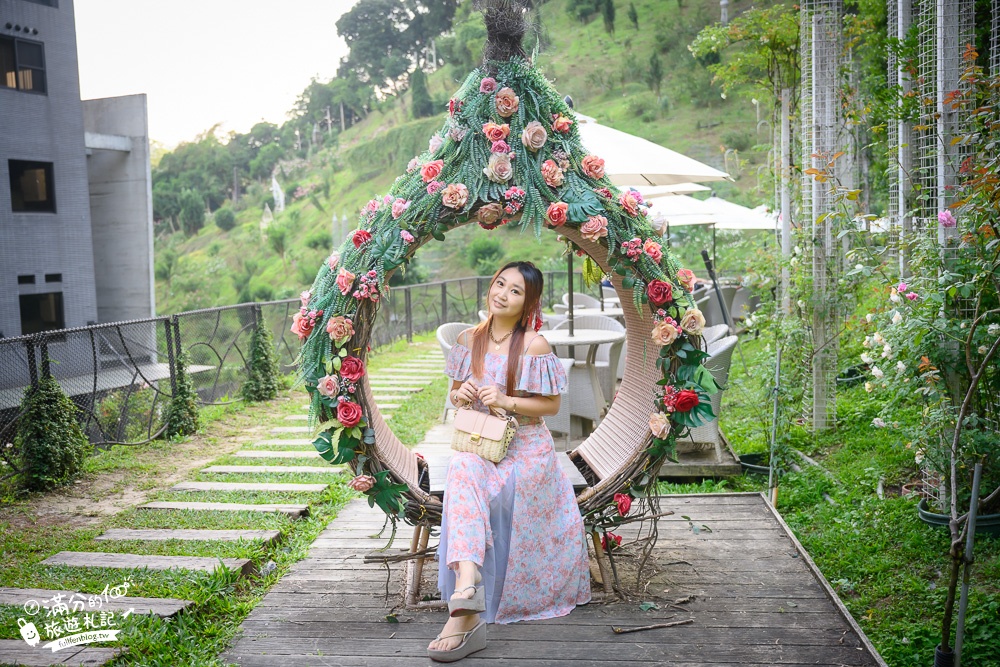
x=53 y=277
x=41 y=312
x=22 y=65
x=47 y=3
x=32 y=189
x=25 y=279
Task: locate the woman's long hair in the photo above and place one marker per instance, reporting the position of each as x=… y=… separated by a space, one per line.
x=533 y=283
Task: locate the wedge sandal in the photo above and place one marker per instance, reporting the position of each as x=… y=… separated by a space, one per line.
x=463 y=606
x=472 y=641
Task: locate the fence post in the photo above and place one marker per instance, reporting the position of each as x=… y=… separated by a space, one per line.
x=29 y=346
x=171 y=357
x=479 y=293
x=46 y=368
x=176 y=321
x=444 y=303
x=408 y=305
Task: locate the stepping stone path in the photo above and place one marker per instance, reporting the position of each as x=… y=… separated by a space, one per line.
x=162 y=607
x=248 y=486
x=292 y=511
x=18 y=652
x=264 y=454
x=286 y=442
x=160 y=535
x=309 y=470
x=138 y=562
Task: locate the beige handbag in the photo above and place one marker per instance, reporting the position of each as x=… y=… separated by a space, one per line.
x=483 y=434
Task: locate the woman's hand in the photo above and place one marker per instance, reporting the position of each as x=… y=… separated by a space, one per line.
x=491 y=396
x=466 y=393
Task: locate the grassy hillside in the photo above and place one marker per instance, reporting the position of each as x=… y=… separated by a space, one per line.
x=605 y=76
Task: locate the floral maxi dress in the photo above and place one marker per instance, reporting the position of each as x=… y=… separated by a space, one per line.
x=517 y=519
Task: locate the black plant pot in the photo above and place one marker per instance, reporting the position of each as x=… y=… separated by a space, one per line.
x=755 y=464
x=943 y=657
x=852 y=375
x=986 y=524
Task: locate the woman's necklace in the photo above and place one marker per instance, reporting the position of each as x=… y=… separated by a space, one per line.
x=498 y=342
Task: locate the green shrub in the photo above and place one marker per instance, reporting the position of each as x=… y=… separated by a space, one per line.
x=225 y=219
x=262 y=384
x=318 y=240
x=49 y=438
x=485 y=254
x=741 y=141
x=182 y=413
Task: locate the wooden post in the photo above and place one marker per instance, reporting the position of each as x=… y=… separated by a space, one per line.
x=601 y=563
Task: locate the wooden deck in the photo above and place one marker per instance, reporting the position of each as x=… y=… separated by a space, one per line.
x=758 y=600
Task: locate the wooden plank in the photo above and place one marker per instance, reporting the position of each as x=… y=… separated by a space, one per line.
x=309 y=470
x=187 y=534
x=17 y=652
x=138 y=562
x=162 y=607
x=292 y=511
x=266 y=454
x=248 y=486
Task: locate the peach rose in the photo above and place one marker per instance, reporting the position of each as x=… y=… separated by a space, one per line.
x=340 y=327
x=561 y=124
x=489 y=214
x=345 y=280
x=595 y=228
x=693 y=322
x=332 y=260
x=507 y=102
x=496 y=132
x=629 y=202
x=552 y=174
x=659 y=424
x=534 y=136
x=499 y=168
x=455 y=195
x=362 y=483
x=431 y=170
x=556 y=213
x=665 y=332
x=593 y=166
x=328 y=386
x=653 y=249
x=686 y=279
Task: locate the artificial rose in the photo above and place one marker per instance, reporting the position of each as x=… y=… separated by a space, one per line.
x=659 y=424
x=595 y=228
x=946 y=219
x=507 y=102
x=340 y=327
x=629 y=202
x=399 y=207
x=352 y=368
x=499 y=168
x=665 y=332
x=686 y=278
x=500 y=147
x=431 y=170
x=534 y=136
x=436 y=142
x=488 y=85
x=624 y=503
x=610 y=541
x=455 y=195
x=593 y=166
x=328 y=386
x=496 y=132
x=556 y=213
x=552 y=174
x=362 y=483
x=332 y=260
x=489 y=214
x=406 y=236
x=693 y=322
x=434 y=186
x=348 y=414
x=412 y=164
x=561 y=123
x=302 y=325
x=457 y=133
x=360 y=237
x=686 y=401
x=304 y=298
x=659 y=292
x=653 y=249
x=345 y=280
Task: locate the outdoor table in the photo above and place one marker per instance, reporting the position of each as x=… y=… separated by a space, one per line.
x=592 y=338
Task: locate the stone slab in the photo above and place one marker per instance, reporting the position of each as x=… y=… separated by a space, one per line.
x=282 y=454
x=138 y=561
x=248 y=486
x=285 y=442
x=162 y=607
x=292 y=511
x=18 y=652
x=309 y=470
x=159 y=535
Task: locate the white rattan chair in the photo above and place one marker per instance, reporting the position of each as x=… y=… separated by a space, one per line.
x=581 y=300
x=713 y=333
x=609 y=292
x=447 y=335
x=560 y=309
x=606 y=363
x=744 y=303
x=560 y=422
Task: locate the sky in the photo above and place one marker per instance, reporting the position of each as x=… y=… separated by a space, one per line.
x=202 y=62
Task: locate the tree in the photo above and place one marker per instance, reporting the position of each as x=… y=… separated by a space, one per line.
x=633 y=15
x=225 y=219
x=277 y=237
x=262 y=165
x=422 y=104
x=262 y=382
x=192 y=212
x=49 y=438
x=608 y=14
x=654 y=75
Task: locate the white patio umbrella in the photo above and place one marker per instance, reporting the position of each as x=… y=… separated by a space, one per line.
x=733 y=216
x=632 y=160
x=657 y=191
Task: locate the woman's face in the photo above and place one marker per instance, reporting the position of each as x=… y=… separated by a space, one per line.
x=506 y=297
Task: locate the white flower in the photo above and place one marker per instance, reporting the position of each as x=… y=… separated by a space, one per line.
x=748 y=322
x=981 y=349
x=897 y=317
x=865 y=357
x=918 y=456
x=868 y=387
x=887 y=351
x=436 y=142
x=894 y=296
x=867 y=342
x=878 y=423
x=900 y=367
x=878 y=339
x=858 y=267
x=797 y=250
x=801 y=304
x=962 y=325
x=869 y=317
x=877 y=372
x=993 y=329
x=794 y=261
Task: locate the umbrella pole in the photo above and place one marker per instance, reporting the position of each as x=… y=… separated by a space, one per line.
x=714 y=258
x=569 y=269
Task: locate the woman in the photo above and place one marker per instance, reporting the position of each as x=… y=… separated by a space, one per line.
x=512 y=542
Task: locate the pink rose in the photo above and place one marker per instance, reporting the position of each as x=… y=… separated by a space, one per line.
x=399 y=207
x=912 y=296
x=362 y=483
x=328 y=386
x=352 y=368
x=561 y=123
x=946 y=219
x=499 y=168
x=304 y=298
x=340 y=327
x=488 y=85
x=500 y=147
x=406 y=236
x=360 y=237
x=302 y=325
x=457 y=133
x=653 y=249
x=593 y=166
x=455 y=195
x=665 y=332
x=348 y=414
x=332 y=260
x=345 y=280
x=434 y=186
x=431 y=170
x=507 y=102
x=534 y=136
x=629 y=202
x=436 y=142
x=659 y=424
x=556 y=213
x=624 y=503
x=495 y=132
x=412 y=164
x=595 y=228
x=552 y=174
x=693 y=322
x=659 y=292
x=373 y=204
x=686 y=278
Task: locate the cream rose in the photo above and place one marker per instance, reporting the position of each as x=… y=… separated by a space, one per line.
x=507 y=102
x=693 y=322
x=339 y=327
x=534 y=136
x=665 y=332
x=328 y=386
x=455 y=195
x=499 y=168
x=659 y=424
x=595 y=228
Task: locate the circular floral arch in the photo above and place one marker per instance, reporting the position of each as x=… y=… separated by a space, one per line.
x=509 y=153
